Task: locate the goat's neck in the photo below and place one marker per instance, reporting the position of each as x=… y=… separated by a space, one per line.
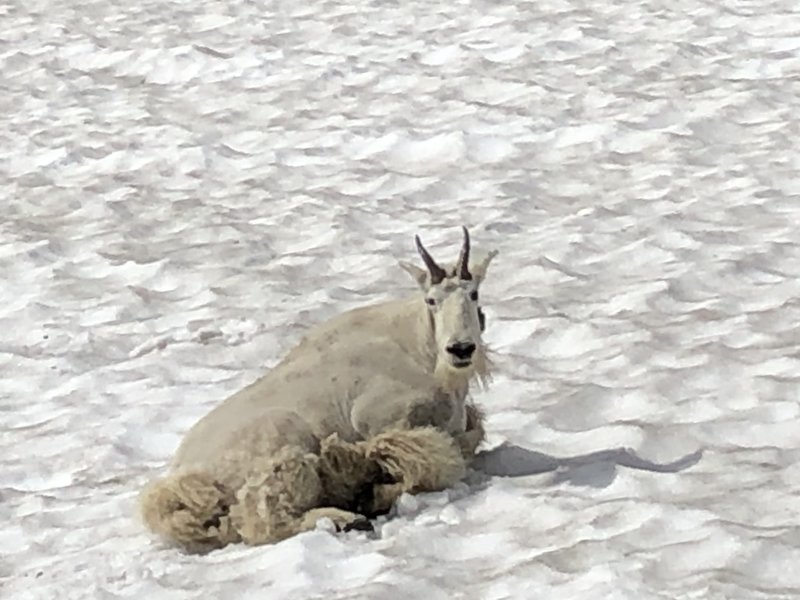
x=423 y=333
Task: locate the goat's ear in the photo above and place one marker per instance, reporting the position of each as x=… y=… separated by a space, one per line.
x=419 y=275
x=479 y=269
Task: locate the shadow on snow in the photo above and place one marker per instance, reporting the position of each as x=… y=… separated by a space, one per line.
x=596 y=469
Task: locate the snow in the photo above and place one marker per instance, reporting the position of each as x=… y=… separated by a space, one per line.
x=187 y=186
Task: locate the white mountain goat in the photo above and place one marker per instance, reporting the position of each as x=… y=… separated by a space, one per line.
x=369 y=405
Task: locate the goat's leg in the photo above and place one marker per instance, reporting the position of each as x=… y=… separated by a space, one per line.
x=474 y=432
x=285 y=495
x=278 y=490
x=343 y=520
x=190 y=510
x=346 y=472
x=386 y=493
x=423 y=459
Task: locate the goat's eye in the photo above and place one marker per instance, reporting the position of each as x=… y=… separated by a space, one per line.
x=473 y=295
x=430 y=301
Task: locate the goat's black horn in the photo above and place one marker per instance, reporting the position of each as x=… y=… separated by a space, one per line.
x=462 y=267
x=437 y=273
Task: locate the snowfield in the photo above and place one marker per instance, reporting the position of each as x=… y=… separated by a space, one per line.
x=185 y=187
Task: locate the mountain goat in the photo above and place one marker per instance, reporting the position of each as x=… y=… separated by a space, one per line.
x=367 y=406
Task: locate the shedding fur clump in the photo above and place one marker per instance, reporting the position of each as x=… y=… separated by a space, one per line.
x=417 y=460
x=291 y=490
x=420 y=459
x=347 y=474
x=191 y=510
x=282 y=495
x=275 y=495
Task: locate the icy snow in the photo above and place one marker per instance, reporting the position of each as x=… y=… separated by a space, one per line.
x=187 y=186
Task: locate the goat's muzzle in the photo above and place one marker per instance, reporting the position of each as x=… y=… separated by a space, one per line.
x=461 y=353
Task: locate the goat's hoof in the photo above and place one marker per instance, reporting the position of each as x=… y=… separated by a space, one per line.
x=362 y=524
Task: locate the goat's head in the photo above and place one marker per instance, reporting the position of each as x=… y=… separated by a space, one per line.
x=452 y=300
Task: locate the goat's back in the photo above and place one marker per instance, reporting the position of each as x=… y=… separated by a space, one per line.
x=309 y=394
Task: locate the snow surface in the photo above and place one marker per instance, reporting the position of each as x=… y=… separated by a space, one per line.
x=187 y=185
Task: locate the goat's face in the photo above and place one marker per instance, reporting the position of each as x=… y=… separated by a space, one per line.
x=452 y=300
x=457 y=319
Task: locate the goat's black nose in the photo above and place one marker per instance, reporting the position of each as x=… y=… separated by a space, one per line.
x=462 y=350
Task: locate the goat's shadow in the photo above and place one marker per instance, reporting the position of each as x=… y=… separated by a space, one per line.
x=596 y=469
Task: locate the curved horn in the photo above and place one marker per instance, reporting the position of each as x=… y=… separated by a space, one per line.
x=437 y=273
x=462 y=267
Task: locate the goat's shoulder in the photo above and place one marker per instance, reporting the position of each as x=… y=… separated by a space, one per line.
x=372 y=316
x=371 y=321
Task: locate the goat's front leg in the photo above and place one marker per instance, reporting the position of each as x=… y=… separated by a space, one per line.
x=474 y=432
x=405 y=434
x=423 y=459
